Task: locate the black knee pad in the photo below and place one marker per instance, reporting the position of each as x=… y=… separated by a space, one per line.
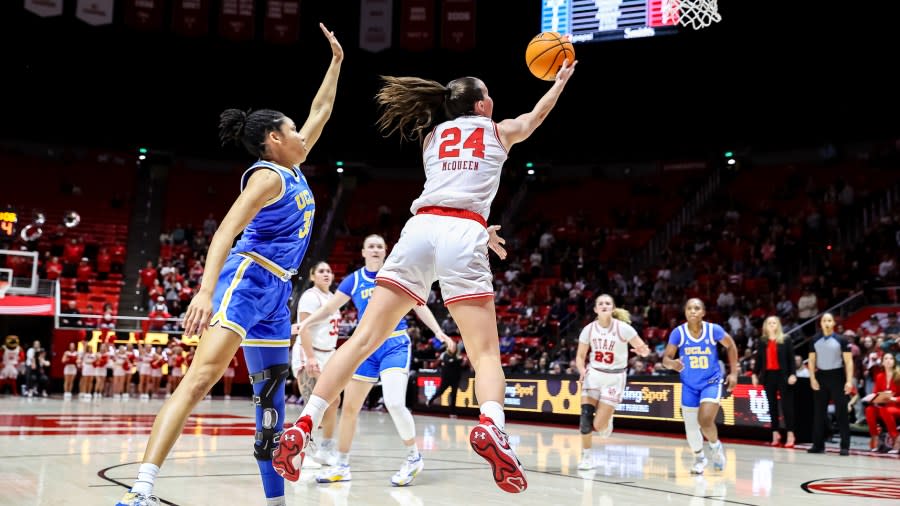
x=268 y=437
x=587 y=418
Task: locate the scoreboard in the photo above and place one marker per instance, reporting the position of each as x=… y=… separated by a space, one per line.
x=600 y=20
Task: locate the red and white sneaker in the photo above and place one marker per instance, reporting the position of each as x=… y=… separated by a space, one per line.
x=493 y=445
x=292 y=443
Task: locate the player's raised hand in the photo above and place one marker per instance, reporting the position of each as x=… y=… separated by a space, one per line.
x=566 y=70
x=337 y=52
x=198 y=313
x=495 y=242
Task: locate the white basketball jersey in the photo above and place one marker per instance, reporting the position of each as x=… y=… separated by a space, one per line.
x=324 y=334
x=609 y=346
x=463 y=159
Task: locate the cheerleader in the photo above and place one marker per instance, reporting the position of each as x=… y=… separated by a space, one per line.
x=176 y=361
x=145 y=372
x=70 y=369
x=121 y=368
x=101 y=361
x=87 y=372
x=156 y=363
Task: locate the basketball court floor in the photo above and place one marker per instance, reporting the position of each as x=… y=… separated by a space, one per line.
x=54 y=452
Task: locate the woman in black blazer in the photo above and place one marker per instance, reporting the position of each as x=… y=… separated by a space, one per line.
x=775 y=369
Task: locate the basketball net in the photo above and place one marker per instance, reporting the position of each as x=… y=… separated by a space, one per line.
x=695 y=14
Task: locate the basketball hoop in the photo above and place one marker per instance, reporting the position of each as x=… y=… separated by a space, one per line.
x=695 y=14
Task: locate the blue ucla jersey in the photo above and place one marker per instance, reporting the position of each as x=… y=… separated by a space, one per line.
x=700 y=356
x=359 y=286
x=280 y=230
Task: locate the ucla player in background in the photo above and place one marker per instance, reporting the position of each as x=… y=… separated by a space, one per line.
x=390 y=362
x=701 y=379
x=243 y=294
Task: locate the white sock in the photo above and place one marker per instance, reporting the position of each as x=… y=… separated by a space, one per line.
x=145 y=478
x=494 y=411
x=275 y=501
x=586 y=452
x=412 y=450
x=315 y=407
x=715 y=446
x=343 y=459
x=327 y=444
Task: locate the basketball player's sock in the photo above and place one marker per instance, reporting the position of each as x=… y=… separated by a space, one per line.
x=715 y=446
x=412 y=450
x=494 y=411
x=275 y=501
x=343 y=459
x=146 y=476
x=315 y=407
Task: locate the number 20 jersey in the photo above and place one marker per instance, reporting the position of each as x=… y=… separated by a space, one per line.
x=463 y=159
x=700 y=356
x=609 y=346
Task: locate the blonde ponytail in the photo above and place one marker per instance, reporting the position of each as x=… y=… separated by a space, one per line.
x=622 y=315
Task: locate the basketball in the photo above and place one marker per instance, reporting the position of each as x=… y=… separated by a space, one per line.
x=545 y=54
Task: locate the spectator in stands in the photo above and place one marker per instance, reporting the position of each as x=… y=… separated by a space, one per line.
x=147 y=276
x=71 y=308
x=871 y=327
x=53 y=269
x=117 y=257
x=104 y=264
x=807 y=308
x=536 y=261
x=893 y=326
x=802 y=366
x=725 y=300
x=774 y=367
x=210 y=225
x=784 y=307
x=84 y=275
x=514 y=367
x=159 y=314
x=887 y=269
x=72 y=254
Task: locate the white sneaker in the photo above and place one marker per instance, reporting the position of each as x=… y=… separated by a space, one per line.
x=408 y=471
x=67 y=396
x=334 y=474
x=718 y=457
x=699 y=464
x=326 y=454
x=587 y=463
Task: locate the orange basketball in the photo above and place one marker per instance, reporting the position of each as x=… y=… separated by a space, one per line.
x=545 y=54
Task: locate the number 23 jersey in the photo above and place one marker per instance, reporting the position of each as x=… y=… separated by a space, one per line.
x=609 y=346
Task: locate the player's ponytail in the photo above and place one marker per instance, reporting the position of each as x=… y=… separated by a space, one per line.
x=249 y=129
x=411 y=105
x=622 y=315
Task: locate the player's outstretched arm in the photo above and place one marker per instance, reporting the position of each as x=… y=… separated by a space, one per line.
x=513 y=131
x=640 y=347
x=323 y=103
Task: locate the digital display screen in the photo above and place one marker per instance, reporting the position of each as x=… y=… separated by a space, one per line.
x=645 y=398
x=8 y=223
x=600 y=20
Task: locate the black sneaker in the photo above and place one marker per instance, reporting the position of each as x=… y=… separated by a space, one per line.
x=845 y=451
x=816 y=449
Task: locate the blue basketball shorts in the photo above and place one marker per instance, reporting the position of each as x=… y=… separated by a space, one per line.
x=393 y=355
x=693 y=395
x=253 y=302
